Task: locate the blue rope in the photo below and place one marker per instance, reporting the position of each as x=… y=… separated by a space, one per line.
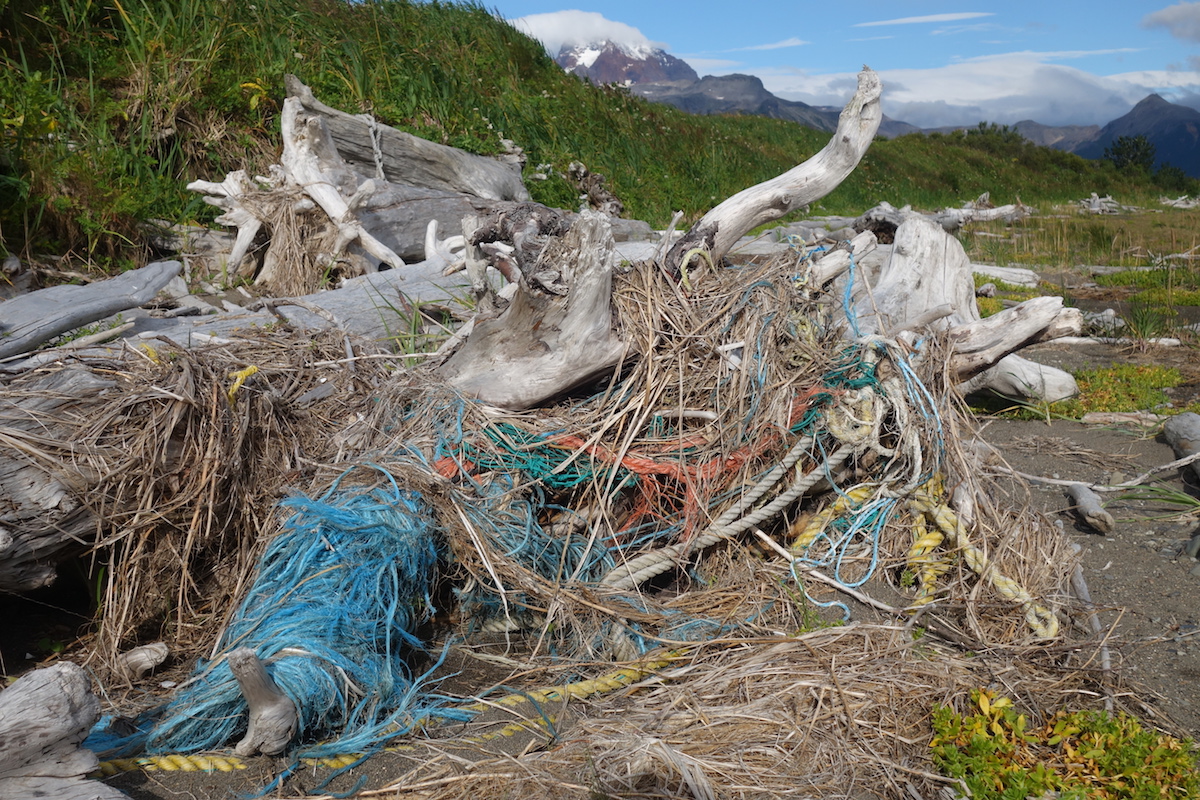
x=331 y=614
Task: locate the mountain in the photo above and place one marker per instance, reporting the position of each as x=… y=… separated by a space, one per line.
x=1173 y=129
x=609 y=62
x=662 y=78
x=734 y=94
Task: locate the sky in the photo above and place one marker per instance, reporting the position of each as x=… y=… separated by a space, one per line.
x=1058 y=62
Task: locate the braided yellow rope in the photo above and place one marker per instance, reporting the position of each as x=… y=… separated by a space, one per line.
x=1039 y=618
x=921 y=559
x=239 y=378
x=617 y=679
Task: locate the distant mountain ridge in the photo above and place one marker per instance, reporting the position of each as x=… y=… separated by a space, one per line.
x=654 y=74
x=658 y=76
x=1173 y=129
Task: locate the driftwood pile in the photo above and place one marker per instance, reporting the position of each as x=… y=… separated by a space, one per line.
x=666 y=460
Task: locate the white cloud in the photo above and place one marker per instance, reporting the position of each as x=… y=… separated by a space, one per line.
x=1002 y=89
x=560 y=28
x=927 y=18
x=1052 y=55
x=792 y=42
x=1182 y=20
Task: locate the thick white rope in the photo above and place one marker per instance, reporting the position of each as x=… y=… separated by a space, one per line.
x=649 y=565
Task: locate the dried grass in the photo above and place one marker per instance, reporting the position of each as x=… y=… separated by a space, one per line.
x=183 y=483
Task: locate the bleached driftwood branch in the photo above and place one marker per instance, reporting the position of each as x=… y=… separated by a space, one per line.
x=44 y=717
x=929 y=271
x=885 y=218
x=1087 y=505
x=718 y=230
x=273 y=718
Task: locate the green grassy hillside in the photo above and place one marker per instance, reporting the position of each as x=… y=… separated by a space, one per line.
x=109 y=107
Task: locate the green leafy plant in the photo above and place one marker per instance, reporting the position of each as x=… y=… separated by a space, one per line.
x=1000 y=755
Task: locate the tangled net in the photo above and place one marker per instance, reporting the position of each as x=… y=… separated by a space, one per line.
x=749 y=479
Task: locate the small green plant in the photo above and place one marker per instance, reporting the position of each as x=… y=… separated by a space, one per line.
x=1082 y=755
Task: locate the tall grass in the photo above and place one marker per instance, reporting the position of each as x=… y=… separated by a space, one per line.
x=109 y=108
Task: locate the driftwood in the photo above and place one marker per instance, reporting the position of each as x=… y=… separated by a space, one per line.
x=31 y=319
x=556 y=335
x=557 y=332
x=1087 y=505
x=884 y=218
x=928 y=271
x=719 y=229
x=1182 y=432
x=273 y=719
x=43 y=520
x=386 y=154
x=44 y=717
x=323 y=210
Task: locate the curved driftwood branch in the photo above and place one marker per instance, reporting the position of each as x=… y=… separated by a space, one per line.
x=721 y=227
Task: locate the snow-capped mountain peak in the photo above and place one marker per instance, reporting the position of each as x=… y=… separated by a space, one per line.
x=613 y=62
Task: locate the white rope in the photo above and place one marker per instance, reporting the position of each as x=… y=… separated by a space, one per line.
x=374 y=128
x=645 y=567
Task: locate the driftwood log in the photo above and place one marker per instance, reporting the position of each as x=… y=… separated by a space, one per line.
x=384 y=153
x=884 y=218
x=31 y=319
x=44 y=717
x=369 y=186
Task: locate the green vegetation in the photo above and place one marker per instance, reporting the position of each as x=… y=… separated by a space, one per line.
x=1067 y=240
x=1123 y=387
x=1000 y=755
x=1131 y=152
x=107 y=110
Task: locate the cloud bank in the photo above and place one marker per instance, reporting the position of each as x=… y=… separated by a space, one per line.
x=927 y=18
x=1181 y=20
x=1003 y=89
x=560 y=28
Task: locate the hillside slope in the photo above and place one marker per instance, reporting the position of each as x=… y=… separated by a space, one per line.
x=108 y=111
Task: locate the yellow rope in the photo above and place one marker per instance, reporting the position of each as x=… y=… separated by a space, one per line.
x=928 y=567
x=1040 y=619
x=618 y=679
x=846 y=502
x=239 y=378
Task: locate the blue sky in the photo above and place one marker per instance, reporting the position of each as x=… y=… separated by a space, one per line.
x=1059 y=62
